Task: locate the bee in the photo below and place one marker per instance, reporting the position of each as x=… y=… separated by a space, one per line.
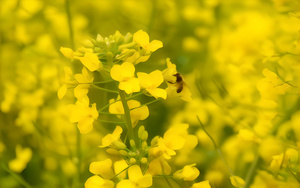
x=179 y=82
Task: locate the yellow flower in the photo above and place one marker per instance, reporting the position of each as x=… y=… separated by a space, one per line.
x=91 y=61
x=136 y=179
x=174 y=138
x=142 y=39
x=23 y=156
x=202 y=184
x=271 y=86
x=169 y=72
x=102 y=168
x=151 y=81
x=84 y=79
x=96 y=181
x=188 y=173
x=83 y=115
x=136 y=114
x=67 y=80
x=125 y=75
x=159 y=166
x=176 y=85
x=276 y=162
x=110 y=138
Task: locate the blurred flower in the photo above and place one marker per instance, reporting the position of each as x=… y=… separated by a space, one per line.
x=202 y=184
x=23 y=156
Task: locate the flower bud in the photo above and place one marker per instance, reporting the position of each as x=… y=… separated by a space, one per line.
x=123 y=152
x=141 y=131
x=144 y=160
x=144 y=145
x=119 y=145
x=132 y=143
x=112 y=151
x=144 y=136
x=132 y=160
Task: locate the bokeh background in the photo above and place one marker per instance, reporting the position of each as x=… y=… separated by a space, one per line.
x=241 y=60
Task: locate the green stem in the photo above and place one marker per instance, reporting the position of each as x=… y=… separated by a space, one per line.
x=113 y=122
x=168 y=182
x=71 y=32
x=104 y=89
x=127 y=114
x=79 y=158
x=298 y=180
x=121 y=171
x=16 y=176
x=251 y=172
x=218 y=150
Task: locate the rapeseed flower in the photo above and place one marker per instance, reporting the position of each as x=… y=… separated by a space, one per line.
x=142 y=39
x=136 y=179
x=150 y=83
x=124 y=74
x=83 y=114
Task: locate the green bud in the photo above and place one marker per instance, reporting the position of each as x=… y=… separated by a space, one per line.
x=112 y=151
x=144 y=160
x=131 y=154
x=154 y=141
x=141 y=131
x=93 y=42
x=119 y=145
x=123 y=152
x=109 y=56
x=132 y=160
x=132 y=143
x=99 y=38
x=87 y=44
x=144 y=145
x=144 y=136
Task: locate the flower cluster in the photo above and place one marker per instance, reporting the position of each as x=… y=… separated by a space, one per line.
x=109 y=65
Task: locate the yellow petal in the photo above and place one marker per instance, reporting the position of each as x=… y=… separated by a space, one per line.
x=62 y=91
x=128 y=69
x=141 y=38
x=154 y=45
x=125 y=184
x=158 y=93
x=85 y=125
x=135 y=173
x=144 y=79
x=115 y=73
x=145 y=181
x=67 y=52
x=119 y=166
x=102 y=168
x=157 y=78
x=202 y=184
x=91 y=61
